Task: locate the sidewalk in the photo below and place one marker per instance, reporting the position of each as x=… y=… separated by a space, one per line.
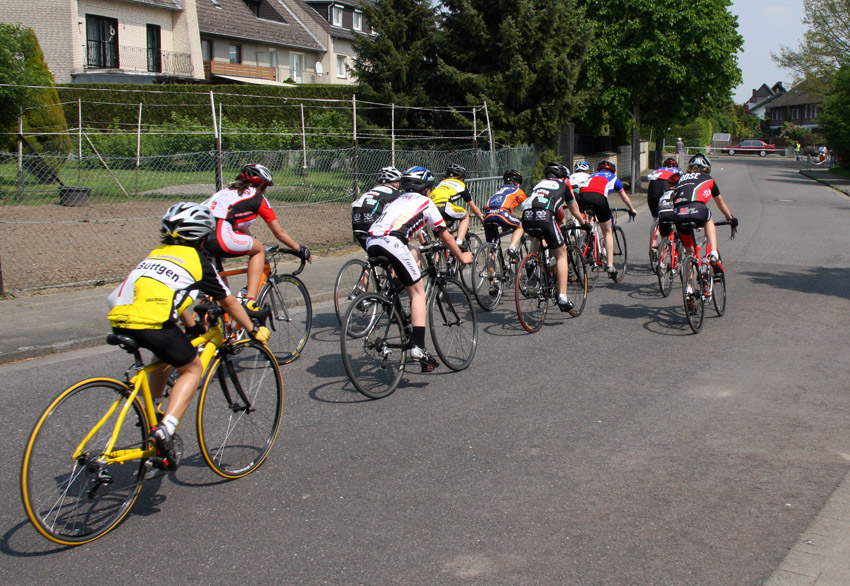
x=828 y=178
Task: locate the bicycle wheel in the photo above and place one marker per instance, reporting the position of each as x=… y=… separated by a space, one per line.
x=718 y=295
x=70 y=494
x=375 y=358
x=620 y=253
x=665 y=268
x=240 y=409
x=692 y=294
x=291 y=316
x=453 y=323
x=654 y=249
x=592 y=258
x=348 y=279
x=523 y=247
x=487 y=276
x=532 y=300
x=578 y=282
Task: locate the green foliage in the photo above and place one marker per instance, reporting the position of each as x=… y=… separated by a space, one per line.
x=22 y=64
x=696 y=133
x=521 y=57
x=835 y=116
x=826 y=44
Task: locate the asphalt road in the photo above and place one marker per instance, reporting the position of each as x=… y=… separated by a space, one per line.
x=614 y=448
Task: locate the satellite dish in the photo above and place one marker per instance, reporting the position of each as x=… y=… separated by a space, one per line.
x=318 y=68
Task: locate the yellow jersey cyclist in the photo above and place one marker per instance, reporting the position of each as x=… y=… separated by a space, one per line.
x=147 y=305
x=448 y=194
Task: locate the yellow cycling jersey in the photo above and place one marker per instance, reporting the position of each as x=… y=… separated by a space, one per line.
x=162 y=286
x=450 y=190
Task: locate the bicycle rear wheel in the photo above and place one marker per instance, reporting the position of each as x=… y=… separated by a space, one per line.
x=621 y=255
x=578 y=282
x=654 y=249
x=487 y=276
x=348 y=281
x=692 y=288
x=240 y=409
x=291 y=316
x=74 y=499
x=374 y=358
x=718 y=295
x=453 y=323
x=665 y=268
x=532 y=300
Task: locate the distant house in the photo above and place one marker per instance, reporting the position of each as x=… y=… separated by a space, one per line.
x=798 y=107
x=761 y=97
x=113 y=41
x=343 y=20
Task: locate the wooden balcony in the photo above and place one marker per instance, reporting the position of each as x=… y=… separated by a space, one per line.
x=238 y=70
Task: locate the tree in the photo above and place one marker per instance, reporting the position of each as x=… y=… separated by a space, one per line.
x=21 y=67
x=521 y=57
x=673 y=59
x=834 y=117
x=398 y=63
x=825 y=46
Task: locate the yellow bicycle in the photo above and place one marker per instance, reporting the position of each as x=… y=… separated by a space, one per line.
x=88 y=454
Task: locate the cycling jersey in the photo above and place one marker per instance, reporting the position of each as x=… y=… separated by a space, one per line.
x=659 y=182
x=603 y=182
x=405 y=216
x=366 y=209
x=579 y=180
x=160 y=287
x=447 y=195
x=507 y=198
x=695 y=187
x=550 y=195
x=240 y=210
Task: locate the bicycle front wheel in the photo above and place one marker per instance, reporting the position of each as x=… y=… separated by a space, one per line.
x=353 y=279
x=654 y=249
x=665 y=267
x=487 y=276
x=578 y=282
x=453 y=324
x=70 y=493
x=532 y=299
x=291 y=316
x=718 y=294
x=621 y=255
x=373 y=344
x=240 y=409
x=692 y=288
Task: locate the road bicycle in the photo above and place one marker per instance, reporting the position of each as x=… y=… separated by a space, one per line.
x=593 y=247
x=289 y=301
x=702 y=281
x=355 y=277
x=670 y=252
x=654 y=247
x=492 y=274
x=537 y=284
x=376 y=330
x=446 y=263
x=88 y=454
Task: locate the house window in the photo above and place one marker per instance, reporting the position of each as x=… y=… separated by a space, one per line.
x=358 y=20
x=235 y=53
x=814 y=111
x=340 y=67
x=154 y=46
x=296 y=67
x=253 y=6
x=101 y=42
x=207 y=49
x=336 y=15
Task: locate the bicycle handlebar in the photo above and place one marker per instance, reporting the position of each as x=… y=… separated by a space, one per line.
x=276 y=249
x=734 y=226
x=627 y=210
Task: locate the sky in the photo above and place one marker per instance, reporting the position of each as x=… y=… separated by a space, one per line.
x=765 y=25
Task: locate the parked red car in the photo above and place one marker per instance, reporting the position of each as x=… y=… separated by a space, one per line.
x=750 y=146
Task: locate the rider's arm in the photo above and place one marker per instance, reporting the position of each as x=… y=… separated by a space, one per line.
x=284 y=237
x=575 y=211
x=451 y=244
x=627 y=201
x=232 y=306
x=721 y=205
x=476 y=210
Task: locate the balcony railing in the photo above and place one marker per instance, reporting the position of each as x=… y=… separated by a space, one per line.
x=102 y=55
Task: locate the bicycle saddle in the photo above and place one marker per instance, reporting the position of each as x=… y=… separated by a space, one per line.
x=125 y=342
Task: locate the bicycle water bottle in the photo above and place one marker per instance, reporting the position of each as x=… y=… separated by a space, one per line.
x=552 y=263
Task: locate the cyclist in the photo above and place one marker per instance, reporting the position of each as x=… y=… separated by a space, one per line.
x=580 y=176
x=659 y=182
x=389 y=237
x=236 y=208
x=147 y=305
x=543 y=210
x=594 y=197
x=498 y=213
x=693 y=191
x=446 y=196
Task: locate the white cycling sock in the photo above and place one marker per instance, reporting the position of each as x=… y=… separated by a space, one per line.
x=170 y=422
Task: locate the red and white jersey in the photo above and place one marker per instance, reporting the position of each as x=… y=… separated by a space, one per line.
x=240 y=210
x=406 y=215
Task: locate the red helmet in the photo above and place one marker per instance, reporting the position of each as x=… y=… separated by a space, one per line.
x=671 y=162
x=606 y=165
x=256 y=174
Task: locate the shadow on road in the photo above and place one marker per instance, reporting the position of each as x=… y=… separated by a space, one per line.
x=819 y=280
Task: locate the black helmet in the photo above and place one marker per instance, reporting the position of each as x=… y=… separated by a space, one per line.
x=555 y=169
x=512 y=176
x=606 y=165
x=671 y=162
x=188 y=221
x=455 y=171
x=417 y=179
x=700 y=160
x=256 y=174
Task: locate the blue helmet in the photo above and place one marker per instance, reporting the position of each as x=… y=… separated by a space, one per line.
x=417 y=179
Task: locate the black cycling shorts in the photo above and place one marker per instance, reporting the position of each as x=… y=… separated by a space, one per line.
x=542 y=222
x=695 y=211
x=596 y=203
x=169 y=344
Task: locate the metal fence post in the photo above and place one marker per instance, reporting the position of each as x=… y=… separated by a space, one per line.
x=356 y=150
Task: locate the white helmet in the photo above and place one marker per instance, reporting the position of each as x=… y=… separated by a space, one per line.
x=389 y=174
x=188 y=221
